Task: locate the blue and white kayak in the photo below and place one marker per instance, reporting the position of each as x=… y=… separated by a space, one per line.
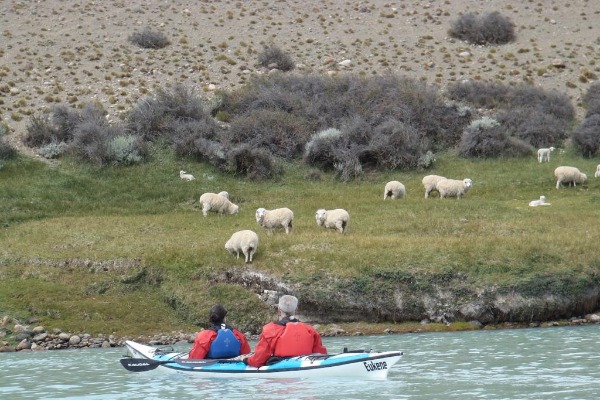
x=354 y=365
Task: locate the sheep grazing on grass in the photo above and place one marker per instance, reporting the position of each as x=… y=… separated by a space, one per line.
x=224 y=194
x=273 y=219
x=216 y=203
x=394 y=190
x=597 y=174
x=333 y=219
x=540 y=202
x=544 y=154
x=567 y=175
x=453 y=187
x=430 y=183
x=243 y=241
x=185 y=176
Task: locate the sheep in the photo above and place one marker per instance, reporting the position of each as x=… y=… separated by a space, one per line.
x=453 y=187
x=277 y=218
x=216 y=203
x=430 y=182
x=597 y=174
x=185 y=176
x=245 y=241
x=540 y=202
x=224 y=194
x=394 y=190
x=569 y=174
x=544 y=154
x=333 y=219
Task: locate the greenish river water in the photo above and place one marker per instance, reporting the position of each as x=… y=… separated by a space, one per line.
x=538 y=363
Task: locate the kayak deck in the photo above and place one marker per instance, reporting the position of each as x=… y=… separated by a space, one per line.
x=361 y=365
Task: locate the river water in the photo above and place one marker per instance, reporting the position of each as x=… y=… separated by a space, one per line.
x=537 y=363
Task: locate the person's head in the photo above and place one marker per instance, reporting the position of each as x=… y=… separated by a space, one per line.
x=217 y=314
x=288 y=304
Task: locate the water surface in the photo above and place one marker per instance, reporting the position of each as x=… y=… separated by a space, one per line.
x=540 y=363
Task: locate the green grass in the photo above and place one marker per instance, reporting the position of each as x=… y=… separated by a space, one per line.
x=56 y=223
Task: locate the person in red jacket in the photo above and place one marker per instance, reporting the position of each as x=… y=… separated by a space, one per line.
x=286 y=337
x=219 y=340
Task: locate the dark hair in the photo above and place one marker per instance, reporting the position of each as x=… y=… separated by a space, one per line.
x=217 y=314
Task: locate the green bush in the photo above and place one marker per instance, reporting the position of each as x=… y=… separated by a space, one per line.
x=126 y=150
x=486 y=138
x=53 y=150
x=491 y=28
x=149 y=39
x=254 y=163
x=273 y=55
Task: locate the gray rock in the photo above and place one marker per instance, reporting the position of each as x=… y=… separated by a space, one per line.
x=24 y=345
x=23 y=335
x=74 y=340
x=38 y=329
x=64 y=336
x=41 y=337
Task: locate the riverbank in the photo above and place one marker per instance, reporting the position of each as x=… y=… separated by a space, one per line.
x=36 y=338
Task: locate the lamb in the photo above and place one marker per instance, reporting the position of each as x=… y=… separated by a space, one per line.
x=597 y=174
x=453 y=187
x=216 y=203
x=245 y=241
x=224 y=194
x=277 y=218
x=540 y=202
x=569 y=174
x=185 y=176
x=333 y=219
x=544 y=154
x=430 y=183
x=394 y=190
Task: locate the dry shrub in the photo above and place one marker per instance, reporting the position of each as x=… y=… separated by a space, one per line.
x=149 y=39
x=273 y=55
x=491 y=28
x=586 y=137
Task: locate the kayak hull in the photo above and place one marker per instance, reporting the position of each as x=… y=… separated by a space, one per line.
x=352 y=365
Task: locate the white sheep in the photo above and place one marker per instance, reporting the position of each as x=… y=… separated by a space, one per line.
x=430 y=183
x=394 y=190
x=224 y=194
x=544 y=154
x=453 y=187
x=216 y=203
x=333 y=219
x=567 y=175
x=540 y=202
x=597 y=174
x=245 y=241
x=277 y=218
x=185 y=176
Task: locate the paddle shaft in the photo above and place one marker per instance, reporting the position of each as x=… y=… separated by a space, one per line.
x=146 y=364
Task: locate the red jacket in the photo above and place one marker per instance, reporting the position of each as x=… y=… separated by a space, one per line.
x=205 y=338
x=271 y=342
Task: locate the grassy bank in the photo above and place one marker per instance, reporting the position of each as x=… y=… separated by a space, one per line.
x=126 y=250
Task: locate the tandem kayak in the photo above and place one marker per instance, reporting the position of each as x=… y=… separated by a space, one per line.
x=351 y=364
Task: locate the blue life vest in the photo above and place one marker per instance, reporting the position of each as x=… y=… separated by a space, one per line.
x=225 y=345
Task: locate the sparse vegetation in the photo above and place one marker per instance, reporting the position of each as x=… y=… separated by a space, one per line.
x=272 y=55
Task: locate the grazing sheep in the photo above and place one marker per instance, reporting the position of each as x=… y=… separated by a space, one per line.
x=430 y=183
x=394 y=190
x=540 y=202
x=216 y=203
x=224 y=194
x=185 y=176
x=453 y=187
x=569 y=174
x=333 y=219
x=597 y=174
x=544 y=154
x=277 y=218
x=245 y=241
